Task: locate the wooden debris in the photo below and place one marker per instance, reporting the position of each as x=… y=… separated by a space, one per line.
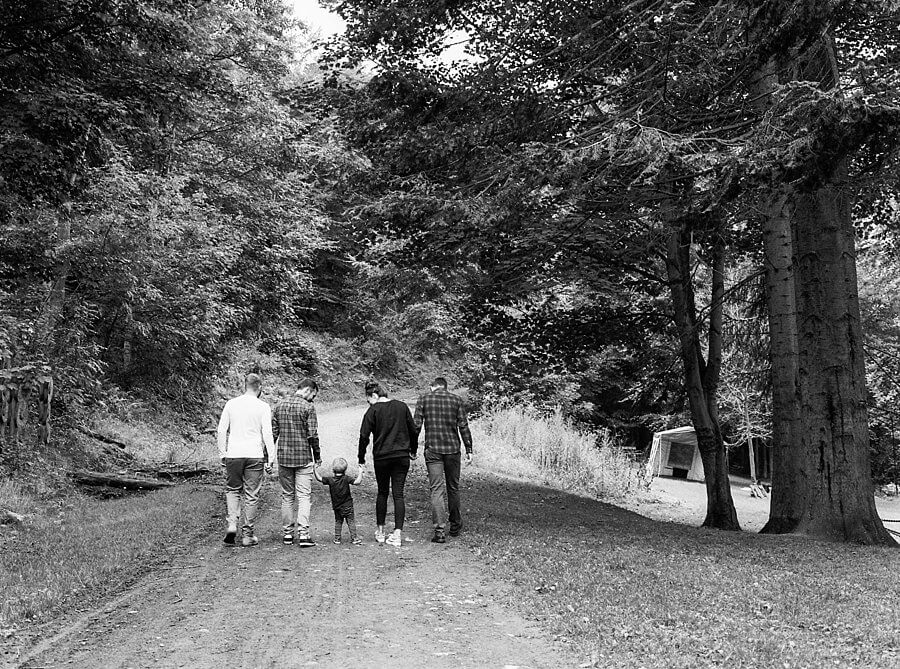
x=116 y=481
x=101 y=437
x=17 y=388
x=182 y=473
x=8 y=517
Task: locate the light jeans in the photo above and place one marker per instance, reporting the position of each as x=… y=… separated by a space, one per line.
x=243 y=476
x=296 y=485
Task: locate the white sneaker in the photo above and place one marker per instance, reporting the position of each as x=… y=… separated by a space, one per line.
x=394 y=539
x=379 y=536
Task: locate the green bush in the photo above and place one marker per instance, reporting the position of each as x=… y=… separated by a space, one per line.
x=524 y=442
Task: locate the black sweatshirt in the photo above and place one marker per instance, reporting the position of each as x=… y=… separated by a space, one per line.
x=395 y=433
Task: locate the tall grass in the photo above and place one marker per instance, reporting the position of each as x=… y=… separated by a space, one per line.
x=522 y=442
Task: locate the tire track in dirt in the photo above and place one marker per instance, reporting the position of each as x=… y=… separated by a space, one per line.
x=327 y=606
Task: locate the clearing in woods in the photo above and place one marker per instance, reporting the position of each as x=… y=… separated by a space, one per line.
x=330 y=605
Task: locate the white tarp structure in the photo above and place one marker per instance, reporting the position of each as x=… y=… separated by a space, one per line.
x=674 y=452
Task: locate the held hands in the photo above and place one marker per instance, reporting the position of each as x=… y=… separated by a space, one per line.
x=468 y=458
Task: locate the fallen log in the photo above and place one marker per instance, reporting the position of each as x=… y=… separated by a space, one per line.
x=8 y=517
x=101 y=437
x=176 y=473
x=114 y=481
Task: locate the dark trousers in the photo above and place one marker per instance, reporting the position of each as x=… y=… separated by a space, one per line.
x=345 y=513
x=443 y=478
x=390 y=475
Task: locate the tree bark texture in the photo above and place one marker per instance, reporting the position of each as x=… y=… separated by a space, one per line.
x=837 y=500
x=702 y=376
x=788 y=475
x=821 y=480
x=124 y=482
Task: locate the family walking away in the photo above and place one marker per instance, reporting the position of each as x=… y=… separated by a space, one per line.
x=254 y=438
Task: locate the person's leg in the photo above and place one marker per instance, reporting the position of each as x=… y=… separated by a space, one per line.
x=234 y=482
x=350 y=517
x=303 y=483
x=253 y=477
x=338 y=525
x=399 y=471
x=451 y=475
x=286 y=477
x=434 y=462
x=383 y=479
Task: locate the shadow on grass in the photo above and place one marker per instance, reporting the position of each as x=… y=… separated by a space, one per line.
x=628 y=591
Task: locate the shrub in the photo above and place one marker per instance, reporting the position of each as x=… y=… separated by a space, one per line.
x=524 y=442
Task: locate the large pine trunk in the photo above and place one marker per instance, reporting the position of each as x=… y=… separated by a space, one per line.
x=701 y=376
x=788 y=477
x=836 y=499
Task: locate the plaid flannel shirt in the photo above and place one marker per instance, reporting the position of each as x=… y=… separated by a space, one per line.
x=444 y=416
x=296 y=431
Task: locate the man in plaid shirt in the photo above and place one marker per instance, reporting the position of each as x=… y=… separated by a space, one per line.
x=444 y=416
x=295 y=429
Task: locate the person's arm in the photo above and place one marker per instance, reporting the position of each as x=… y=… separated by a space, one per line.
x=276 y=428
x=222 y=432
x=462 y=424
x=268 y=440
x=368 y=424
x=312 y=425
x=316 y=474
x=419 y=418
x=359 y=477
x=413 y=434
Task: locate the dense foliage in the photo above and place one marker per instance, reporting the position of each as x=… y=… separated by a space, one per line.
x=556 y=153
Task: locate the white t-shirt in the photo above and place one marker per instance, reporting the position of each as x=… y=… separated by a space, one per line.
x=245 y=425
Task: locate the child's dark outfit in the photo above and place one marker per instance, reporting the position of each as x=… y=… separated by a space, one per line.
x=342 y=503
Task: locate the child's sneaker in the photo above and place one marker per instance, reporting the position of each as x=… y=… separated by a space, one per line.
x=394 y=539
x=379 y=536
x=356 y=542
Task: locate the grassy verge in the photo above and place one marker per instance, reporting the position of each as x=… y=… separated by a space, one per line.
x=71 y=553
x=627 y=591
x=519 y=442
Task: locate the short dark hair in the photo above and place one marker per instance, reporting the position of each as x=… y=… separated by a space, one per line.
x=253 y=382
x=375 y=387
x=308 y=383
x=440 y=381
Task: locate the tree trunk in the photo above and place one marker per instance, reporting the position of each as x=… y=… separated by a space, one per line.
x=702 y=376
x=837 y=498
x=57 y=299
x=112 y=481
x=788 y=476
x=787 y=471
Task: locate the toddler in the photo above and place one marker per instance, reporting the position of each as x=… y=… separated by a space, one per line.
x=341 y=499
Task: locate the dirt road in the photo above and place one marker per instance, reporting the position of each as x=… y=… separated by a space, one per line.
x=328 y=606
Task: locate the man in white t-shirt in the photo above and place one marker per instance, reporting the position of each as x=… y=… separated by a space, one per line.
x=244 y=428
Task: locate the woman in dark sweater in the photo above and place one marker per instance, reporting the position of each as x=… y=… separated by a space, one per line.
x=395 y=442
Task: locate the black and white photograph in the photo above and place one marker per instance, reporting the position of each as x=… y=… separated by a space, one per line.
x=450 y=334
